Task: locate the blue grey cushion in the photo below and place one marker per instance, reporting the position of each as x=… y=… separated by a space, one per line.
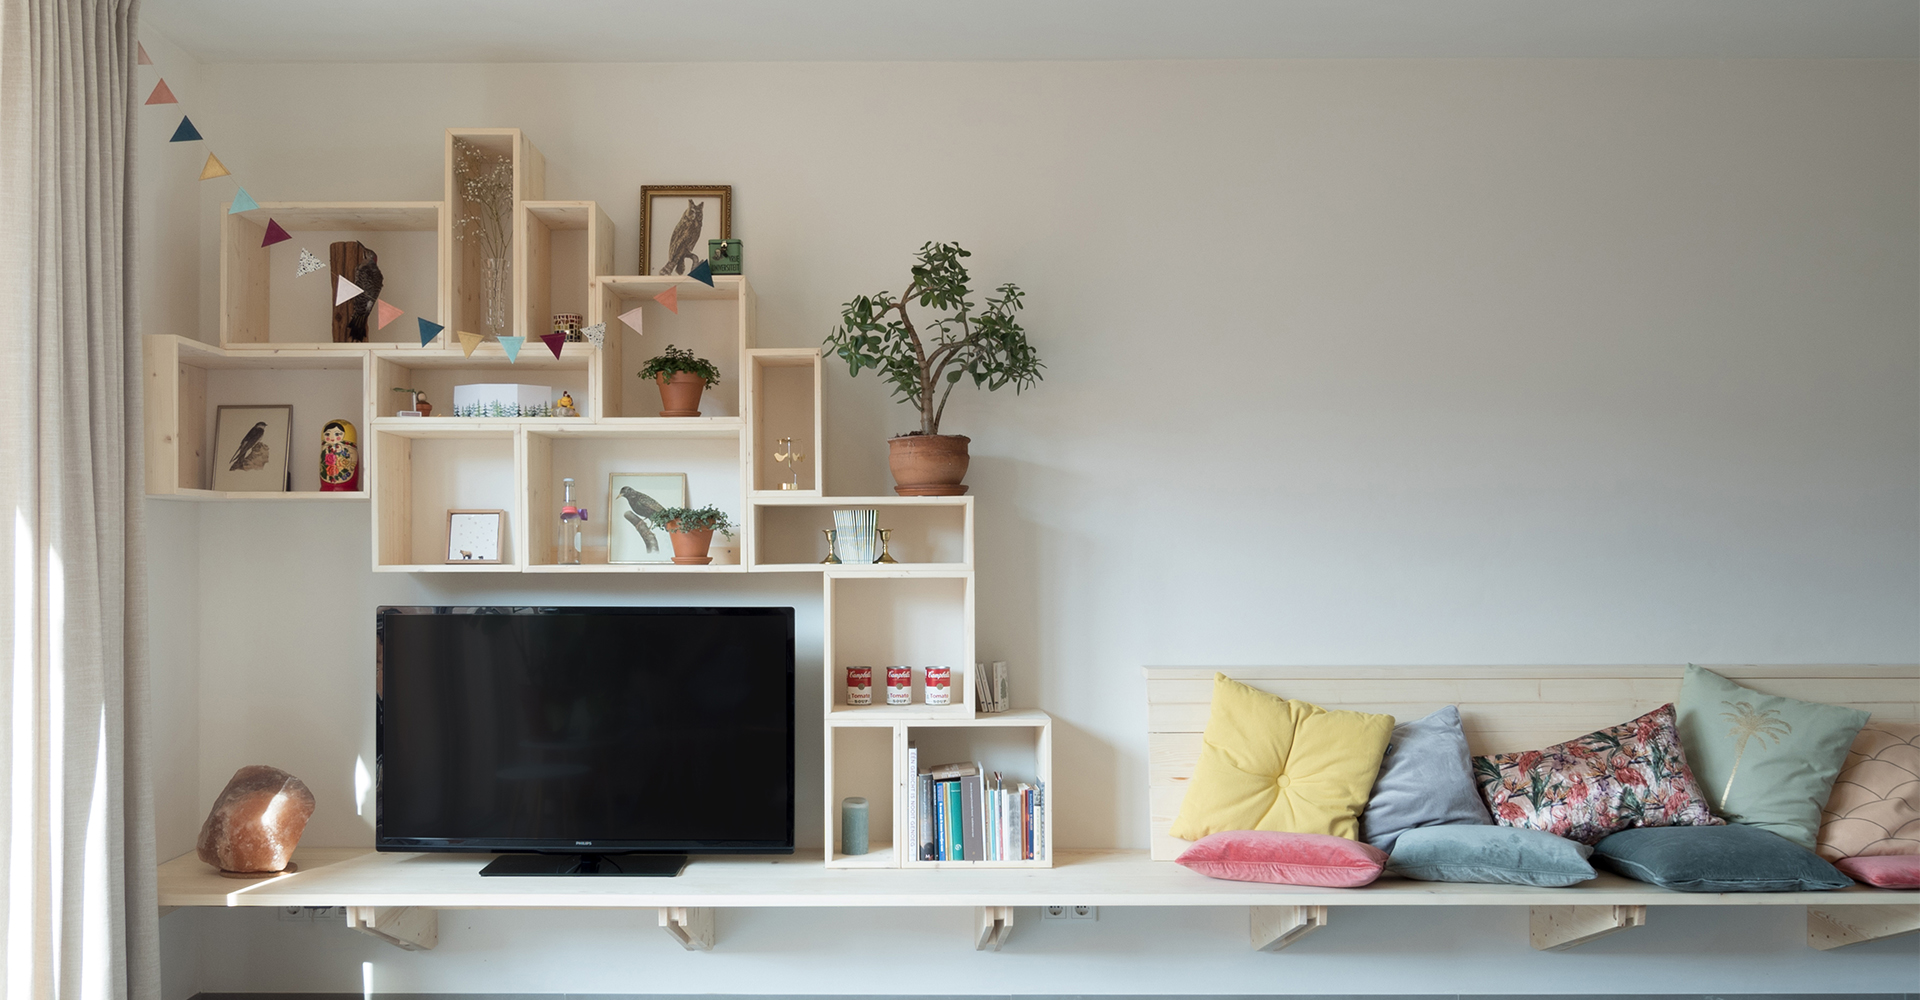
x=1426 y=779
x=1508 y=855
x=1728 y=858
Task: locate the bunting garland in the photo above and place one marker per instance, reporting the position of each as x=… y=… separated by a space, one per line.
x=214 y=168
x=242 y=202
x=430 y=330
x=553 y=342
x=512 y=346
x=308 y=262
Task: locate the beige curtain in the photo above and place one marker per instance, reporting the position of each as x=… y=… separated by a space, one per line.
x=78 y=913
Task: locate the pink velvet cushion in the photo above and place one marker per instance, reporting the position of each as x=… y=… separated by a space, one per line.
x=1287 y=858
x=1888 y=871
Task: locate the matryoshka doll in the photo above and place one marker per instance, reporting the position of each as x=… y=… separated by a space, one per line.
x=339 y=458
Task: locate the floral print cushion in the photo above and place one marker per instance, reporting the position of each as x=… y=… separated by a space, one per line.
x=1632 y=774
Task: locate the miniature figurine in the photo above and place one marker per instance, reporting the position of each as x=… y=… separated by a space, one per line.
x=565 y=408
x=785 y=452
x=339 y=458
x=421 y=408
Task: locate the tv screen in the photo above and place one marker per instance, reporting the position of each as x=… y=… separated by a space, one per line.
x=585 y=730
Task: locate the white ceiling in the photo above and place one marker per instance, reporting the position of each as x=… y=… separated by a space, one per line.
x=920 y=30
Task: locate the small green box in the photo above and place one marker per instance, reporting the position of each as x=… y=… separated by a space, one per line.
x=723 y=256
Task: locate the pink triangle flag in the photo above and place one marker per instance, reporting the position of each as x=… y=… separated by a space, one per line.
x=144 y=60
x=162 y=94
x=632 y=318
x=275 y=234
x=388 y=312
x=670 y=298
x=553 y=342
x=346 y=290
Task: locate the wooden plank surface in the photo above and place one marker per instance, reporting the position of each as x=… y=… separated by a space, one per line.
x=357 y=877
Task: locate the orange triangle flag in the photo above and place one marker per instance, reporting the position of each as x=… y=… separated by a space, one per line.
x=670 y=298
x=144 y=60
x=214 y=168
x=162 y=94
x=388 y=313
x=469 y=341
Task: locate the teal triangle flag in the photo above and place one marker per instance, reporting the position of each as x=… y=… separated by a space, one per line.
x=428 y=331
x=186 y=132
x=511 y=345
x=243 y=202
x=701 y=272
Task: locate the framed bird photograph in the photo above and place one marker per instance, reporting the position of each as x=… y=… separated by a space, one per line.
x=250 y=445
x=475 y=536
x=677 y=221
x=631 y=498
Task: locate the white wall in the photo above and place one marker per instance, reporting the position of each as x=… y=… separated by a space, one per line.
x=1349 y=362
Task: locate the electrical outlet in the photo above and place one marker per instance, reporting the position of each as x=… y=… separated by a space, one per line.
x=1053 y=913
x=292 y=913
x=1083 y=913
x=319 y=913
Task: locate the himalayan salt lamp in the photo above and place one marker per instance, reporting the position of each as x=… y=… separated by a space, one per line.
x=256 y=822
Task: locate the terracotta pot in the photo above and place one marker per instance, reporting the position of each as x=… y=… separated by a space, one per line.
x=680 y=394
x=690 y=547
x=928 y=465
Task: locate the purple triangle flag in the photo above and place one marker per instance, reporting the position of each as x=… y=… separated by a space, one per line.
x=275 y=234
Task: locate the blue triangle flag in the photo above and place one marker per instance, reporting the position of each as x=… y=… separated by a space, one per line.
x=186 y=132
x=701 y=272
x=428 y=331
x=512 y=346
x=242 y=202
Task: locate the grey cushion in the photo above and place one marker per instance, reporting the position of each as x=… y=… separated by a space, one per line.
x=1728 y=858
x=1508 y=855
x=1426 y=779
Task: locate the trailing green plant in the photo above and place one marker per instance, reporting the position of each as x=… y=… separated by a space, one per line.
x=675 y=359
x=986 y=345
x=685 y=519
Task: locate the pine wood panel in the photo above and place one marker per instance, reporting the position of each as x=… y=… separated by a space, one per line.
x=1501 y=708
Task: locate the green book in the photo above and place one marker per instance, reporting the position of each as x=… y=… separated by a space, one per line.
x=956 y=851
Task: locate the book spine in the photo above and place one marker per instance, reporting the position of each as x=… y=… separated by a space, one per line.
x=954 y=850
x=971 y=845
x=1039 y=820
x=912 y=841
x=994 y=847
x=939 y=821
x=925 y=844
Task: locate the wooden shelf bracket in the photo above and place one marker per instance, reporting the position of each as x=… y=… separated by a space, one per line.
x=415 y=928
x=992 y=925
x=1275 y=927
x=1558 y=928
x=692 y=926
x=1836 y=927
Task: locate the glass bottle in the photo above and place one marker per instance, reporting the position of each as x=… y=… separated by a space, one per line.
x=570 y=518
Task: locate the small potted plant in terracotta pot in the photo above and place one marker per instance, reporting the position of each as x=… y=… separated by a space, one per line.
x=692 y=531
x=923 y=363
x=681 y=377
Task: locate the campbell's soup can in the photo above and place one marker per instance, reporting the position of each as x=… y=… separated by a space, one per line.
x=899 y=685
x=859 y=685
x=939 y=685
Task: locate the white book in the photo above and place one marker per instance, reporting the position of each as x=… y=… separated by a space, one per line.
x=913 y=808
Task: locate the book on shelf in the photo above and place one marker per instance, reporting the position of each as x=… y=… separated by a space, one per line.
x=924 y=782
x=913 y=795
x=959 y=769
x=972 y=819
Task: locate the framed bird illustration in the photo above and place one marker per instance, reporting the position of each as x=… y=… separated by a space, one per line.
x=632 y=497
x=250 y=445
x=677 y=221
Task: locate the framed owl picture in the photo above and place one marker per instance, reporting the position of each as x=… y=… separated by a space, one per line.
x=676 y=221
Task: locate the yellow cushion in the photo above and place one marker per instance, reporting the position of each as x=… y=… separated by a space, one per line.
x=1286 y=766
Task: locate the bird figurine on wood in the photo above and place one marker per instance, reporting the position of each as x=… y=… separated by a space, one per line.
x=686 y=234
x=644 y=507
x=252 y=453
x=370 y=280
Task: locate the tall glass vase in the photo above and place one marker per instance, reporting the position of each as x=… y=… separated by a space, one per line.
x=497 y=279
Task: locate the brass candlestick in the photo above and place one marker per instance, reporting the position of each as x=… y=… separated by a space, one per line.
x=885 y=556
x=833 y=558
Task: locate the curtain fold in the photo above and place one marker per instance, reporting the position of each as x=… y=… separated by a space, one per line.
x=78 y=908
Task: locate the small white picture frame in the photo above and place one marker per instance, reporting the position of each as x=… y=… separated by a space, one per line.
x=475 y=536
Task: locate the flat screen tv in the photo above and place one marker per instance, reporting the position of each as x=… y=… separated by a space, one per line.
x=584 y=740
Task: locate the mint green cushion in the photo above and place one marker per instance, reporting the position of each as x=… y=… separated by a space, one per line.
x=1507 y=855
x=1763 y=760
x=1716 y=859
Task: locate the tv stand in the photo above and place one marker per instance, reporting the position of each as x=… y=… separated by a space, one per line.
x=628 y=865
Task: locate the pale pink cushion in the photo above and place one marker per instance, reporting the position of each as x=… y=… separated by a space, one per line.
x=1888 y=871
x=1287 y=858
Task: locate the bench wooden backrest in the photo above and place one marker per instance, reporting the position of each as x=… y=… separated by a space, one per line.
x=1502 y=708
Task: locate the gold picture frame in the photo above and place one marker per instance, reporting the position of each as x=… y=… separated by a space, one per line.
x=653 y=251
x=470 y=528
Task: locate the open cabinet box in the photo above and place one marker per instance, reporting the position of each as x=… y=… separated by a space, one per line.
x=424 y=470
x=590 y=454
x=265 y=304
x=715 y=323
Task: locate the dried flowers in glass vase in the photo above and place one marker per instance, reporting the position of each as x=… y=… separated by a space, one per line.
x=486 y=214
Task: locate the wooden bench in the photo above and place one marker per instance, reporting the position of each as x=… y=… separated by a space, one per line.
x=1523 y=708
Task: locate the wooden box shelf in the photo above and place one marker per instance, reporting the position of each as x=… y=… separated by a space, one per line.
x=863 y=761
x=264 y=305
x=714 y=323
x=559 y=247
x=784 y=402
x=423 y=468
x=706 y=450
x=1018 y=745
x=463 y=279
x=436 y=373
x=928 y=534
x=899 y=619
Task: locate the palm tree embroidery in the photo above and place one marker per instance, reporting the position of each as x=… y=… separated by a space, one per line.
x=1749 y=722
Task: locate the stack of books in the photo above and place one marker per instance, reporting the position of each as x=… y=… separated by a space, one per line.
x=960 y=812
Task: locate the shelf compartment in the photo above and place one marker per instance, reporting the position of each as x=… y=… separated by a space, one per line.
x=462 y=279
x=785 y=402
x=436 y=373
x=928 y=533
x=918 y=620
x=864 y=762
x=188 y=381
x=1017 y=744
x=424 y=468
x=559 y=247
x=709 y=454
x=714 y=323
x=262 y=303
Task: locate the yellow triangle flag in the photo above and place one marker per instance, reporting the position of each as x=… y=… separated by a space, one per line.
x=214 y=168
x=469 y=341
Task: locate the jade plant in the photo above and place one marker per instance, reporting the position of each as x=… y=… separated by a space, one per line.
x=675 y=360
x=958 y=339
x=682 y=520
